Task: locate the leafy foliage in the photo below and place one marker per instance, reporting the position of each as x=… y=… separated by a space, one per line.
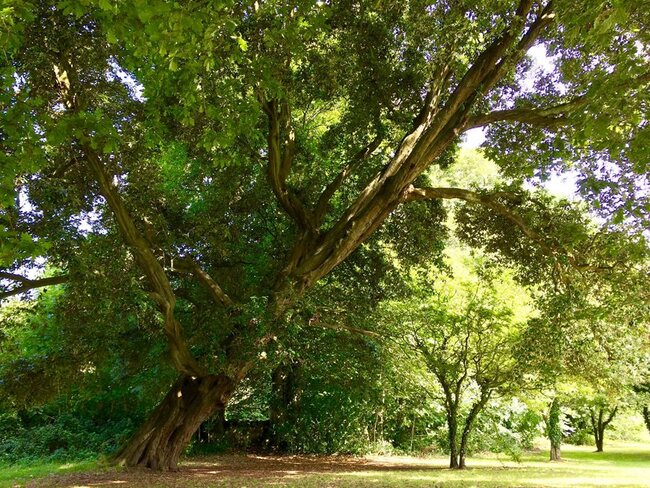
x=215 y=179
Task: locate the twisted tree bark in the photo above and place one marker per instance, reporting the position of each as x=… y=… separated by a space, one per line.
x=168 y=430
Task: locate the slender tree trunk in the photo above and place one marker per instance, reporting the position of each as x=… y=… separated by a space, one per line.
x=599 y=439
x=461 y=459
x=168 y=430
x=596 y=428
x=646 y=417
x=556 y=454
x=555 y=430
x=463 y=447
x=452 y=423
x=463 y=442
x=469 y=424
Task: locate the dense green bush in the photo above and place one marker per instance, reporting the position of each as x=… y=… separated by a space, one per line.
x=508 y=427
x=39 y=434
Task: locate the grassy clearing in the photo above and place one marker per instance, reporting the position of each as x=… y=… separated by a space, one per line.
x=623 y=465
x=20 y=474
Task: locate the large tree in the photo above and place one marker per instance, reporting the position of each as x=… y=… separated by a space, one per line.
x=273 y=140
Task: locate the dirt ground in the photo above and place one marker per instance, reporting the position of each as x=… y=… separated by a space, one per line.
x=242 y=471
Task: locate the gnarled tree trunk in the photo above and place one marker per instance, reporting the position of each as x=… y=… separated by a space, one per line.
x=168 y=430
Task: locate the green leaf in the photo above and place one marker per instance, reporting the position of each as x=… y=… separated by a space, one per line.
x=243 y=45
x=111 y=37
x=619 y=216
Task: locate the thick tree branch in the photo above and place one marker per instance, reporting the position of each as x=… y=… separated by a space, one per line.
x=488 y=59
x=26 y=284
x=281 y=151
x=437 y=128
x=545 y=17
x=161 y=290
x=437 y=87
x=148 y=262
x=542 y=117
x=4 y=275
x=486 y=69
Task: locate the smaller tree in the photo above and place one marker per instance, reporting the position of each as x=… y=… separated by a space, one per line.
x=467 y=330
x=601 y=414
x=595 y=406
x=591 y=342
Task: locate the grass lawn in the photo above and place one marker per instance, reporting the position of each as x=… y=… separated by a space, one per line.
x=20 y=474
x=623 y=464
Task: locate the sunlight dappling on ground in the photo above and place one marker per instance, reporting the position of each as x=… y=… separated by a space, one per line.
x=623 y=465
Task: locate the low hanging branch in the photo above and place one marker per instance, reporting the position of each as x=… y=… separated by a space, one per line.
x=27 y=284
x=490 y=202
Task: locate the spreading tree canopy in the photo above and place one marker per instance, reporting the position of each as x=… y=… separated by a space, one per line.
x=221 y=159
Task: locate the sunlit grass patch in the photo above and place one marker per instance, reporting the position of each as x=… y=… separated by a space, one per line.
x=622 y=465
x=20 y=474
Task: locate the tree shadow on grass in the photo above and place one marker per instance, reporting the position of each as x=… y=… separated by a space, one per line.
x=312 y=471
x=202 y=471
